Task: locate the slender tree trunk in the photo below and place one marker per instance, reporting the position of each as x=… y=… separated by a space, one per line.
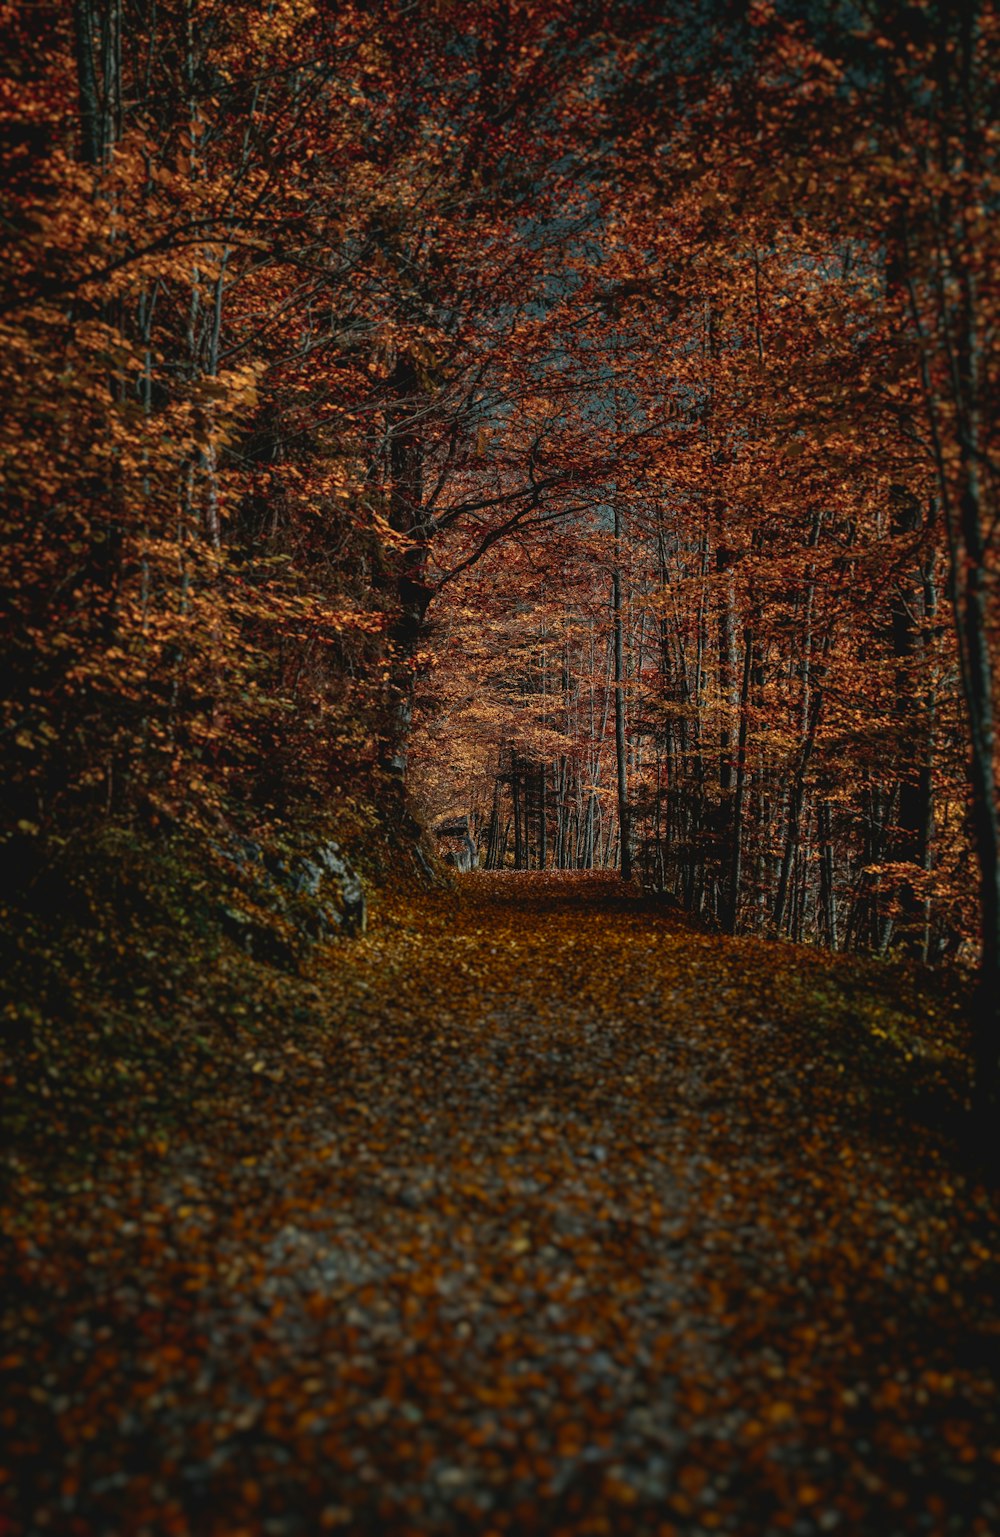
x=910 y=643
x=90 y=110
x=492 y=840
x=979 y=701
x=621 y=743
x=562 y=814
x=827 y=887
x=739 y=795
x=515 y=786
x=413 y=591
x=502 y=859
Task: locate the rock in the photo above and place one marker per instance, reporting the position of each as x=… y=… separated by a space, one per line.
x=245 y=851
x=330 y=892
x=256 y=938
x=425 y=865
x=454 y=827
x=308 y=876
x=456 y=830
x=466 y=855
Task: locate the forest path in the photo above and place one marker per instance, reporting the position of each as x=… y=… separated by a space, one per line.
x=570 y=1220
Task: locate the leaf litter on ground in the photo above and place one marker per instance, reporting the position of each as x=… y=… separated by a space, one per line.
x=536 y=1211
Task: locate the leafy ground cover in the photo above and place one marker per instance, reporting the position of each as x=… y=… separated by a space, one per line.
x=535 y=1211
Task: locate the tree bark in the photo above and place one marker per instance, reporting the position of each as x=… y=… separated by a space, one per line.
x=413 y=592
x=90 y=110
x=621 y=743
x=739 y=795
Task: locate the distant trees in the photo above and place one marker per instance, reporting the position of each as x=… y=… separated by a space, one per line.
x=798 y=238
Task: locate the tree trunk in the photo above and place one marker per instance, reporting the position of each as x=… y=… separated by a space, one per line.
x=515 y=788
x=739 y=796
x=827 y=889
x=90 y=111
x=413 y=591
x=909 y=611
x=978 y=681
x=621 y=744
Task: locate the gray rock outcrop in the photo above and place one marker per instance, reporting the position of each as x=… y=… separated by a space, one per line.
x=316 y=895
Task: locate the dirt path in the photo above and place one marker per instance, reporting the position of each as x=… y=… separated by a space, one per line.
x=568 y=1220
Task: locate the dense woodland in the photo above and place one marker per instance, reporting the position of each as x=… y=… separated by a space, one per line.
x=583 y=417
x=557 y=437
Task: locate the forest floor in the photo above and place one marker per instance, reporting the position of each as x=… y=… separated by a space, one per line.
x=535 y=1211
